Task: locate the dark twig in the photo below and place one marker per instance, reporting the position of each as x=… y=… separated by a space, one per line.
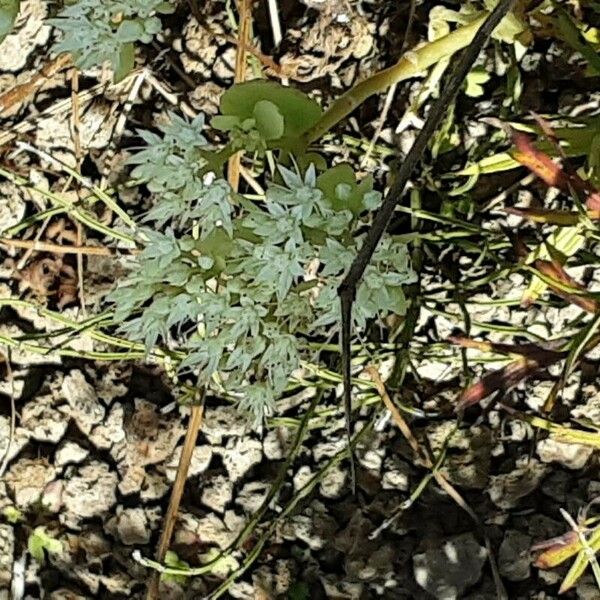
x=347 y=289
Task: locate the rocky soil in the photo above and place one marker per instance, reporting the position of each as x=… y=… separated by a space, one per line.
x=95 y=445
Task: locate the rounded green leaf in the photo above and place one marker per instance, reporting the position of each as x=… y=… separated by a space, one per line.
x=225 y=123
x=269 y=120
x=130 y=31
x=340 y=188
x=298 y=111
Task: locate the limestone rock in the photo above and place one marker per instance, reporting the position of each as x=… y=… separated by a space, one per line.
x=572 y=456
x=45 y=421
x=27 y=479
x=70 y=453
x=217 y=494
x=86 y=410
x=240 y=456
x=90 y=493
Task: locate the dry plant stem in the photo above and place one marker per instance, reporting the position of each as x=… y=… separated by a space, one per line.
x=276 y=30
x=37 y=246
x=22 y=92
x=245 y=21
x=75 y=134
x=57 y=108
x=29 y=245
x=275 y=23
x=477 y=36
x=265 y=60
x=441 y=480
x=119 y=127
x=249 y=179
x=379 y=128
x=194 y=424
x=396 y=415
x=163 y=89
x=412 y=63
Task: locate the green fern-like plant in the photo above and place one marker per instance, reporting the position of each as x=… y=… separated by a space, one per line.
x=238 y=283
x=99 y=31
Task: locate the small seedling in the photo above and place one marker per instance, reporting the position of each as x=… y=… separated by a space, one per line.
x=12 y=515
x=39 y=541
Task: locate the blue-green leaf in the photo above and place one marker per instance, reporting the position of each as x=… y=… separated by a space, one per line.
x=9 y=9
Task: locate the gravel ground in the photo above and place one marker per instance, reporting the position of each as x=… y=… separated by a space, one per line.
x=95 y=449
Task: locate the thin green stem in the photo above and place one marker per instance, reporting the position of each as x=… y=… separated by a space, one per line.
x=412 y=63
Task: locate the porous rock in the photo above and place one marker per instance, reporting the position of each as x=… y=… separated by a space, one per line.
x=223 y=421
x=572 y=456
x=240 y=456
x=130 y=525
x=507 y=489
x=7 y=542
x=217 y=494
x=70 y=453
x=85 y=409
x=45 y=421
x=27 y=479
x=90 y=493
x=201 y=457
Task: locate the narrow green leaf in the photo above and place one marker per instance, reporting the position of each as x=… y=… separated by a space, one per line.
x=124 y=61
x=572 y=36
x=581 y=562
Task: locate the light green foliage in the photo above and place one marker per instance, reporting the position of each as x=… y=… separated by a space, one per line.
x=172 y=560
x=12 y=515
x=9 y=9
x=475 y=81
x=571 y=32
x=238 y=284
x=39 y=541
x=95 y=31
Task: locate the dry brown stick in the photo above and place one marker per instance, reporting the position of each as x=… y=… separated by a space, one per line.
x=244 y=25
x=194 y=424
x=29 y=245
x=22 y=92
x=398 y=418
x=267 y=61
x=75 y=135
x=57 y=108
x=37 y=246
